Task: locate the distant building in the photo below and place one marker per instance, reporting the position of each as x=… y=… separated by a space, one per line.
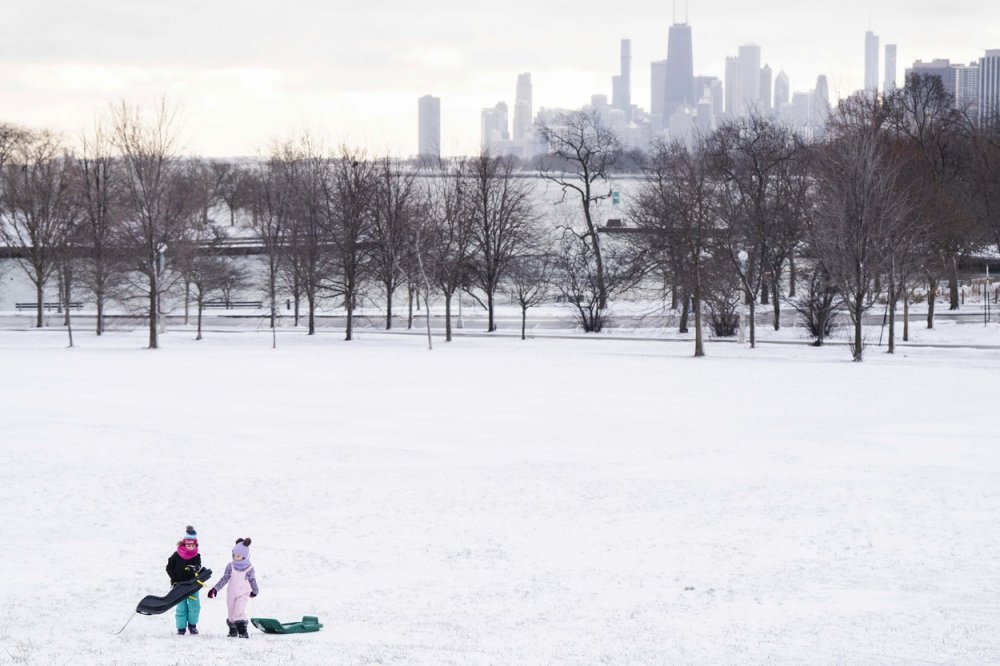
x=749 y=64
x=657 y=92
x=890 y=68
x=522 y=107
x=871 y=61
x=429 y=126
x=989 y=85
x=709 y=88
x=733 y=96
x=765 y=87
x=494 y=127
x=621 y=85
x=821 y=101
x=967 y=87
x=941 y=68
x=782 y=91
x=680 y=68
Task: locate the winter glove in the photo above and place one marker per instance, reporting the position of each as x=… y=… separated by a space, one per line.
x=212 y=593
x=253 y=594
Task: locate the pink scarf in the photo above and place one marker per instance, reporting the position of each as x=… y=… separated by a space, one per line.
x=185 y=553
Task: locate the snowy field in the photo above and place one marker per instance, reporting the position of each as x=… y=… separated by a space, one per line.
x=503 y=502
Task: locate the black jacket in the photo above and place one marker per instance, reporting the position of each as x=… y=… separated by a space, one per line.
x=181 y=570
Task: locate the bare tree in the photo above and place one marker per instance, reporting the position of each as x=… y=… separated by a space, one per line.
x=37 y=207
x=270 y=199
x=157 y=208
x=393 y=209
x=924 y=117
x=863 y=209
x=677 y=210
x=582 y=153
x=447 y=235
x=528 y=280
x=502 y=222
x=763 y=203
x=349 y=206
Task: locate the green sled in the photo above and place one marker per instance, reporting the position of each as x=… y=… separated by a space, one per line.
x=269 y=626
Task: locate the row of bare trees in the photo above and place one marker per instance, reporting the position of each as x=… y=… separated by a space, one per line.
x=896 y=189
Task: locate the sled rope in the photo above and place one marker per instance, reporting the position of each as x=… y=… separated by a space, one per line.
x=124 y=625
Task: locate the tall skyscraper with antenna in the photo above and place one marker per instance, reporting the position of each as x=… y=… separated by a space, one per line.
x=871 y=61
x=680 y=69
x=621 y=85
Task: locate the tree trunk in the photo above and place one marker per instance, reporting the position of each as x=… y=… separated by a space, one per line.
x=906 y=312
x=777 y=305
x=312 y=313
x=791 y=275
x=67 y=294
x=699 y=347
x=753 y=322
x=350 y=314
x=858 y=312
x=524 y=322
x=388 y=306
x=99 y=297
x=40 y=297
x=200 y=307
x=932 y=287
x=154 y=299
x=447 y=316
x=491 y=325
x=892 y=313
x=409 y=316
x=685 y=309
x=953 y=282
x=187 y=302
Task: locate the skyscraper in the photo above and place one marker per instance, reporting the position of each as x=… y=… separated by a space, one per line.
x=765 y=87
x=494 y=127
x=939 y=67
x=871 y=61
x=989 y=85
x=890 y=68
x=967 y=86
x=749 y=79
x=733 y=97
x=657 y=87
x=821 y=100
x=429 y=126
x=522 y=107
x=782 y=91
x=621 y=85
x=680 y=68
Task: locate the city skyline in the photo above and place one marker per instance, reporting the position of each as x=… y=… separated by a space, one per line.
x=242 y=78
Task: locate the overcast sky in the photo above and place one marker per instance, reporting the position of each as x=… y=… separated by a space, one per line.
x=244 y=73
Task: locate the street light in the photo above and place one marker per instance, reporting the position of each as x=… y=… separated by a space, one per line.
x=161 y=267
x=742 y=256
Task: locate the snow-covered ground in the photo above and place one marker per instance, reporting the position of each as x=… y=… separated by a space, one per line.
x=503 y=502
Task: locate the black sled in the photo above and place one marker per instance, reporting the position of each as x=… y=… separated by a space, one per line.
x=153 y=605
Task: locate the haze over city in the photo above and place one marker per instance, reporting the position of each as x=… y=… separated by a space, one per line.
x=245 y=73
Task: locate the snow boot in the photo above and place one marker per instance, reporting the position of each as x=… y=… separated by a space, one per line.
x=193 y=629
x=241 y=629
x=232 y=629
x=180 y=632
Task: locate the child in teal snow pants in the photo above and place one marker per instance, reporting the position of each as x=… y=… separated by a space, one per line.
x=187 y=613
x=183 y=566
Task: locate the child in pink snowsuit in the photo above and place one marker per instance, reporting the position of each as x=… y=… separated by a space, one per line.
x=242 y=586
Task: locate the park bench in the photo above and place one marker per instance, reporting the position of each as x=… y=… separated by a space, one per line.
x=233 y=304
x=47 y=306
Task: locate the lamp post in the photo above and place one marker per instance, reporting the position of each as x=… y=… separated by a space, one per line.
x=742 y=256
x=161 y=266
